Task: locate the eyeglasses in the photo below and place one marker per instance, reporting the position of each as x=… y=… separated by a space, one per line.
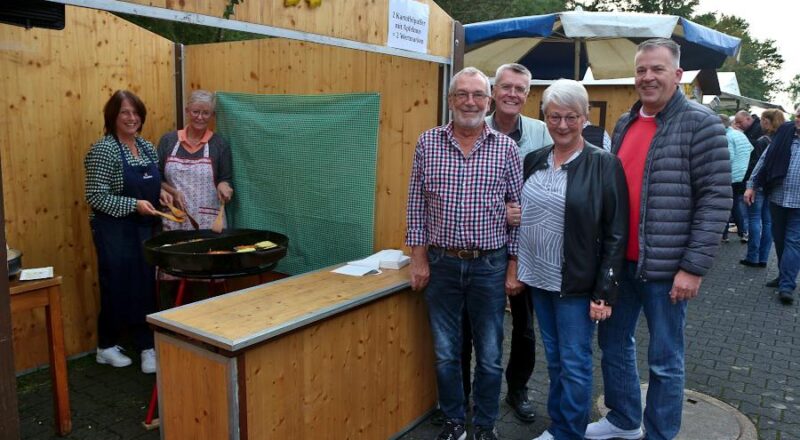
x=507 y=88
x=199 y=113
x=464 y=96
x=555 y=119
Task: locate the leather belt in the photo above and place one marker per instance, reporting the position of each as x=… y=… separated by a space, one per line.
x=466 y=254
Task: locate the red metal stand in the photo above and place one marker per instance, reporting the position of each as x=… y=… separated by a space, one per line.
x=151 y=409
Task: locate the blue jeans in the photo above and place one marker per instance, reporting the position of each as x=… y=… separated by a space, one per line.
x=566 y=332
x=739 y=214
x=760 y=231
x=665 y=322
x=479 y=286
x=786 y=231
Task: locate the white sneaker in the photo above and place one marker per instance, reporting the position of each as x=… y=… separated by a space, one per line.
x=112 y=356
x=545 y=436
x=603 y=429
x=149 y=361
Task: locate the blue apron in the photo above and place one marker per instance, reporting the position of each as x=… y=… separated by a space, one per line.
x=127 y=282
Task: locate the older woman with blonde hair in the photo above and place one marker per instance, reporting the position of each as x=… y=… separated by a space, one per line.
x=572 y=242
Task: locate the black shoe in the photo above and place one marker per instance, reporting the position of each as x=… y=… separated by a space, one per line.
x=773 y=283
x=522 y=406
x=786 y=297
x=437 y=418
x=453 y=430
x=751 y=264
x=482 y=433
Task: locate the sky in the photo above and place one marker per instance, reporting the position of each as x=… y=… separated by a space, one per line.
x=768 y=19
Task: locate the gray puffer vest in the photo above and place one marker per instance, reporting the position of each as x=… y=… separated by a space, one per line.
x=686 y=189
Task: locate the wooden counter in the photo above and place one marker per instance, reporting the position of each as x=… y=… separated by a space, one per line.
x=316 y=356
x=28 y=295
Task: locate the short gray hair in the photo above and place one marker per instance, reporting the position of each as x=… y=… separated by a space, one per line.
x=202 y=96
x=655 y=43
x=567 y=93
x=514 y=67
x=469 y=71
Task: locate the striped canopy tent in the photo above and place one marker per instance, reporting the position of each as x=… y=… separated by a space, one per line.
x=564 y=45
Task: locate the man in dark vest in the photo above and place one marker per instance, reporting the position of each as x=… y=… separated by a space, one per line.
x=778 y=173
x=749 y=124
x=596 y=136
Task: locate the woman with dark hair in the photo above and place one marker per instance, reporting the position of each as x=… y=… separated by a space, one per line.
x=123 y=185
x=759 y=220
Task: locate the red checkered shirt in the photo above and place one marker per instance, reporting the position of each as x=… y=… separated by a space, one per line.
x=458 y=202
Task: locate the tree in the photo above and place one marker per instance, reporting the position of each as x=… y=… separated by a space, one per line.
x=683 y=8
x=759 y=61
x=471 y=11
x=793 y=89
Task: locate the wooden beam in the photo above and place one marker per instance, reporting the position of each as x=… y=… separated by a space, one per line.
x=9 y=415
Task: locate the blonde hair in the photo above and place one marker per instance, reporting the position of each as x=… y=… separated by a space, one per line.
x=775 y=119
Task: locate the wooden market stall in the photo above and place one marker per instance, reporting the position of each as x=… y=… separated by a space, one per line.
x=55 y=84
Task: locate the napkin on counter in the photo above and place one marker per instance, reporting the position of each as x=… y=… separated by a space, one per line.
x=385 y=259
x=38 y=273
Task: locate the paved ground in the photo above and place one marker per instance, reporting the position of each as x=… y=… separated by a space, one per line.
x=743 y=348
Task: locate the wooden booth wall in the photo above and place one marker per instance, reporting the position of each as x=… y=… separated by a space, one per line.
x=358 y=20
x=409 y=92
x=54 y=85
x=616 y=99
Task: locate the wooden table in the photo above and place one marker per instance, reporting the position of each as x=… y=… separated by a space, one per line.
x=315 y=356
x=27 y=295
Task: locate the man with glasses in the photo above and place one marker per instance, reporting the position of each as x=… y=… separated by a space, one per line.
x=778 y=173
x=510 y=93
x=462 y=249
x=675 y=157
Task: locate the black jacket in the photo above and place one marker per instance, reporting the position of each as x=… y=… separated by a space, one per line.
x=595 y=221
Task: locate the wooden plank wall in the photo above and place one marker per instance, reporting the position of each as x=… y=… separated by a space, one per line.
x=54 y=85
x=358 y=20
x=409 y=100
x=362 y=374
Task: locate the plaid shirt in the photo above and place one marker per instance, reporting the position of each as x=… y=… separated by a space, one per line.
x=458 y=202
x=786 y=194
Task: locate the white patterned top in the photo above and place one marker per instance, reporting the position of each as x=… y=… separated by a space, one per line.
x=541 y=232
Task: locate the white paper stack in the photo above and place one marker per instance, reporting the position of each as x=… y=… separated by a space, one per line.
x=385 y=259
x=38 y=273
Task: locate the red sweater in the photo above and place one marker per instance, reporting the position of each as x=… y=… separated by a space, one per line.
x=633 y=153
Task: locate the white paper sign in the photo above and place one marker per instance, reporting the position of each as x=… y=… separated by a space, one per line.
x=408 y=25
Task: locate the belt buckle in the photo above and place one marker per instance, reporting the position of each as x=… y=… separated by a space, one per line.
x=467 y=254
